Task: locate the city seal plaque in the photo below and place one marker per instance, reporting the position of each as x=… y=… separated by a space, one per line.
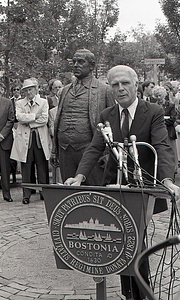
x=93 y=233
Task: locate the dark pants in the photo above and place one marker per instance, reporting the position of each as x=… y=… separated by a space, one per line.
x=35 y=155
x=13 y=164
x=69 y=160
x=5 y=171
x=129 y=286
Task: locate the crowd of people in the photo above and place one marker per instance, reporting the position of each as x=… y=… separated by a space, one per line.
x=58 y=130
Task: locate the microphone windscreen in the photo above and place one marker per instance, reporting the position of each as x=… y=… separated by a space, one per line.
x=133 y=138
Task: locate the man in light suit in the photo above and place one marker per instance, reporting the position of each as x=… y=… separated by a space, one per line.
x=32 y=141
x=78 y=114
x=146 y=121
x=6 y=140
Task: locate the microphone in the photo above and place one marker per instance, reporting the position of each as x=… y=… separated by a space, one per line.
x=125 y=166
x=135 y=153
x=107 y=135
x=100 y=127
x=108 y=130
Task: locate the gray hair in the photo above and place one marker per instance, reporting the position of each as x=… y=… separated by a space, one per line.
x=123 y=68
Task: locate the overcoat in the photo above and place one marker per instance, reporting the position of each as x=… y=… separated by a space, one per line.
x=28 y=118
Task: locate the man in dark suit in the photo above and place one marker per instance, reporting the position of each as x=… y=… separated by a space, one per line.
x=146 y=121
x=78 y=113
x=6 y=140
x=148 y=87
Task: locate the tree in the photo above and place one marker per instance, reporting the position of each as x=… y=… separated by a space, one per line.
x=39 y=37
x=169 y=35
x=132 y=49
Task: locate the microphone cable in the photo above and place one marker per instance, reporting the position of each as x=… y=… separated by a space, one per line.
x=145 y=254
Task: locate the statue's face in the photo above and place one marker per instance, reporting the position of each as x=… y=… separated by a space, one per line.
x=81 y=66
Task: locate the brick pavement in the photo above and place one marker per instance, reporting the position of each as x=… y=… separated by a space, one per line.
x=27 y=265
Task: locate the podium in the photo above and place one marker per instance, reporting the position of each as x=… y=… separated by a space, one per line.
x=97 y=230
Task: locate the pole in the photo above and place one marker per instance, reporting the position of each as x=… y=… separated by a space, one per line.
x=100 y=288
x=155 y=74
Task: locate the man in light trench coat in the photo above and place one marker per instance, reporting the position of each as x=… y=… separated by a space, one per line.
x=32 y=142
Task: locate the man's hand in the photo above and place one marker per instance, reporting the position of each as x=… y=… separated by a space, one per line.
x=173 y=187
x=75 y=181
x=54 y=160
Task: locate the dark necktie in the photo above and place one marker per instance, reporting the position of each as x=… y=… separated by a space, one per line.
x=125 y=125
x=31 y=102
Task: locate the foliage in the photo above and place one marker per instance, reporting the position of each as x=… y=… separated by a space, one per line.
x=38 y=37
x=169 y=35
x=132 y=49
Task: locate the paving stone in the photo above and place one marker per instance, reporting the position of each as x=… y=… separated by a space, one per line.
x=9 y=290
x=4 y=281
x=40 y=291
x=51 y=297
x=4 y=294
x=29 y=294
x=85 y=292
x=62 y=292
x=78 y=297
x=17 y=297
x=17 y=286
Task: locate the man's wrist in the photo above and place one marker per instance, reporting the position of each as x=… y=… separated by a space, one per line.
x=167 y=180
x=81 y=177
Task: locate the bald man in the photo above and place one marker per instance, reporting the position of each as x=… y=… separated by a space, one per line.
x=146 y=122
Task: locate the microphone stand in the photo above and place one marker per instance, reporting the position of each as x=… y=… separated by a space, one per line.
x=120 y=161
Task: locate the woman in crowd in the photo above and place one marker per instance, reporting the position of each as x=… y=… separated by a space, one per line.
x=160 y=94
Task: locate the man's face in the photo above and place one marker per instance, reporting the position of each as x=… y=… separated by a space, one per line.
x=149 y=89
x=16 y=91
x=30 y=92
x=124 y=87
x=81 y=66
x=56 y=87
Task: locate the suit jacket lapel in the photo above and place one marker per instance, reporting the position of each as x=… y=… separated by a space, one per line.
x=114 y=119
x=139 y=118
x=2 y=104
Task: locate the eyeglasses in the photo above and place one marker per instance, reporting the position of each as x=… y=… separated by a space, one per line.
x=16 y=89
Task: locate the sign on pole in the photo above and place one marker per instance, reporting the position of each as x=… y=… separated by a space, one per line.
x=152 y=61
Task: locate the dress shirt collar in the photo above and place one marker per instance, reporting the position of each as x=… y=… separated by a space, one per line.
x=131 y=108
x=35 y=100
